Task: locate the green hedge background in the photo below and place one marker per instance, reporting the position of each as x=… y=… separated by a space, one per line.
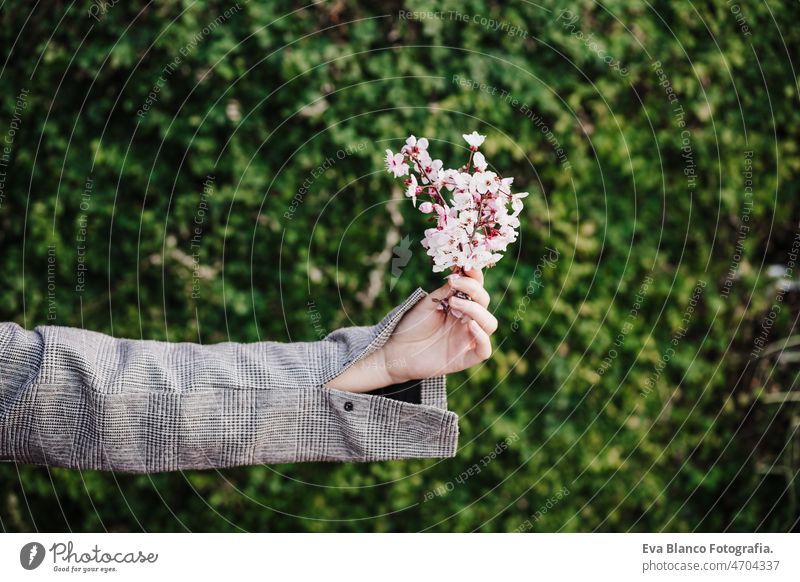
x=639 y=208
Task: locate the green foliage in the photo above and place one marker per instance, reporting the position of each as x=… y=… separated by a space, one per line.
x=263 y=99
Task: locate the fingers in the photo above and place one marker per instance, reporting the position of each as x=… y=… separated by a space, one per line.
x=476 y=274
x=471 y=287
x=483 y=344
x=441 y=292
x=478 y=313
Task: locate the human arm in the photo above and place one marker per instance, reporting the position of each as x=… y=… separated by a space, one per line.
x=80 y=399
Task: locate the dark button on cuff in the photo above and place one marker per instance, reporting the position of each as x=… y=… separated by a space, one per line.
x=348 y=406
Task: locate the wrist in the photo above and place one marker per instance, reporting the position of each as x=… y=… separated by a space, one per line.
x=394 y=365
x=370 y=373
x=380 y=368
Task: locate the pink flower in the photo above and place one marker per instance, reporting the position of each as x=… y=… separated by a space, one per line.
x=473 y=225
x=395 y=164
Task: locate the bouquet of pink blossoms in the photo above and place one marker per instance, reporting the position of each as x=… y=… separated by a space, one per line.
x=474 y=227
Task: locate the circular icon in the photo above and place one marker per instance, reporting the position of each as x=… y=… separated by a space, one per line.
x=31 y=555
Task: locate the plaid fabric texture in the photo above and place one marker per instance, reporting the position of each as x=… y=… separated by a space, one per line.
x=81 y=399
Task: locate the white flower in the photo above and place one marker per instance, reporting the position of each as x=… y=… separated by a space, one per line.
x=505 y=186
x=462 y=200
x=485 y=182
x=411 y=189
x=497 y=243
x=395 y=164
x=421 y=143
x=516 y=202
x=507 y=221
x=494 y=205
x=468 y=219
x=463 y=180
x=425 y=242
x=435 y=167
x=480 y=161
x=448 y=178
x=441 y=213
x=474 y=139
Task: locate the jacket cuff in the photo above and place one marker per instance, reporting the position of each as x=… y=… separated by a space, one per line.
x=359 y=342
x=388 y=428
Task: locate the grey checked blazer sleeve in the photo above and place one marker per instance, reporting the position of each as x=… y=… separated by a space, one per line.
x=81 y=399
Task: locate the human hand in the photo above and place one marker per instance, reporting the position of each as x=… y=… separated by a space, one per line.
x=427 y=342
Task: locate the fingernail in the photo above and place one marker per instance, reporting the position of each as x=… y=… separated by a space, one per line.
x=453 y=276
x=456 y=313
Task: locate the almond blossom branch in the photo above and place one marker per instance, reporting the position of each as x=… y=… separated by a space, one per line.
x=475 y=227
